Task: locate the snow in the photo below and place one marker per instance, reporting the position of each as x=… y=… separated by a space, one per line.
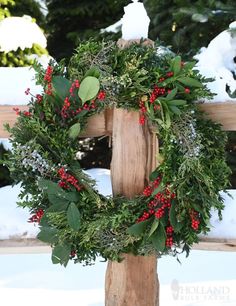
x=20 y=32
x=135 y=21
x=32 y=278
x=130 y=23
x=13 y=220
x=226 y=228
x=6 y=143
x=217 y=61
x=14 y=82
x=113 y=28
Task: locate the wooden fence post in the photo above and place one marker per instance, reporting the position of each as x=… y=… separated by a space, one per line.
x=133 y=282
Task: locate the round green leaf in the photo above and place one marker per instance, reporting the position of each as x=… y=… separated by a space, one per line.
x=89 y=88
x=74 y=130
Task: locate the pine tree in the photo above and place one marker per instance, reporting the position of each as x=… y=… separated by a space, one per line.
x=69 y=21
x=28 y=7
x=187 y=25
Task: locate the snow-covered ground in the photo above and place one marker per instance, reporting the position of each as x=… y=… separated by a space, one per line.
x=204 y=279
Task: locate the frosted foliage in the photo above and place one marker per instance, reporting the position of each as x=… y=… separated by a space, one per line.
x=20 y=32
x=217 y=61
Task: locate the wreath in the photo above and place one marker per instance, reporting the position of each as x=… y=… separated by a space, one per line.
x=175 y=207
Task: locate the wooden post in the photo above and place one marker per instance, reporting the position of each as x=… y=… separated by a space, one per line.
x=133 y=282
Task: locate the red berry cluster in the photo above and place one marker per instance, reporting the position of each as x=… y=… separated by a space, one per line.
x=169 y=234
x=39 y=98
x=27 y=113
x=143 y=110
x=157 y=91
x=144 y=217
x=169 y=74
x=17 y=110
x=27 y=92
x=68 y=110
x=67 y=179
x=74 y=85
x=159 y=204
x=72 y=253
x=37 y=216
x=194 y=219
x=142 y=120
x=65 y=108
x=101 y=95
x=48 y=80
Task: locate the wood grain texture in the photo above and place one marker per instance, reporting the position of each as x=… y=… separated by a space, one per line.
x=19 y=245
x=133 y=281
x=216 y=244
x=8 y=115
x=97 y=126
x=223 y=113
x=101 y=124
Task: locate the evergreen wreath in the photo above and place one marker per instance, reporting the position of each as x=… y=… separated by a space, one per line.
x=175 y=207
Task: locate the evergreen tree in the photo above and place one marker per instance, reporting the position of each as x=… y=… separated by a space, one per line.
x=69 y=21
x=28 y=7
x=187 y=25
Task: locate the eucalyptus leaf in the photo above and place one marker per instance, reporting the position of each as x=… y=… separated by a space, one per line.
x=154 y=175
x=48 y=235
x=172 y=94
x=74 y=130
x=89 y=88
x=61 y=254
x=158 y=238
x=50 y=187
x=138 y=229
x=160 y=188
x=73 y=217
x=57 y=199
x=173 y=218
x=58 y=206
x=93 y=72
x=61 y=86
x=190 y=82
x=175 y=110
x=153 y=227
x=177 y=102
x=176 y=65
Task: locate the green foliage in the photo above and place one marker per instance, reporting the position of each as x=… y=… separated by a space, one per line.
x=73 y=217
x=72 y=21
x=31 y=8
x=187 y=25
x=21 y=58
x=176 y=206
x=4 y=172
x=4 y=8
x=89 y=88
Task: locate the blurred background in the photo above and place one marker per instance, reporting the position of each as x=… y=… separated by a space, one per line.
x=184 y=26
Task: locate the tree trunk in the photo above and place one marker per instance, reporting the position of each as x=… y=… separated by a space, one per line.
x=133 y=282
